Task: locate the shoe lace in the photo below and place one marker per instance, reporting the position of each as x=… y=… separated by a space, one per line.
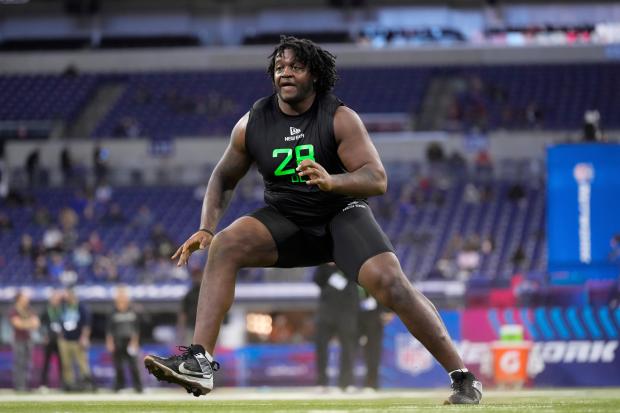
x=187 y=352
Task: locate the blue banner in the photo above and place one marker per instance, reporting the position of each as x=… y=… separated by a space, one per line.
x=583 y=193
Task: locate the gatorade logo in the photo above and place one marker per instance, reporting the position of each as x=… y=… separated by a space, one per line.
x=510 y=362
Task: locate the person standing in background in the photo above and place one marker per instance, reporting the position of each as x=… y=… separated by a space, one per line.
x=186 y=318
x=370 y=322
x=74 y=343
x=123 y=339
x=66 y=166
x=337 y=316
x=51 y=323
x=32 y=167
x=24 y=321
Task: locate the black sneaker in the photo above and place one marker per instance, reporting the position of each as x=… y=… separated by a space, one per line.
x=466 y=389
x=193 y=369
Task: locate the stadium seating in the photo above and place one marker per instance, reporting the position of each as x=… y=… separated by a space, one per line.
x=160 y=105
x=420 y=222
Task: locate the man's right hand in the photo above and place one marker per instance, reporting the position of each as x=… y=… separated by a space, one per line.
x=198 y=240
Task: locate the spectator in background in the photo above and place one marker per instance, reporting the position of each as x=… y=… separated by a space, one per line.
x=105 y=268
x=471 y=195
x=95 y=245
x=32 y=167
x=123 y=339
x=143 y=218
x=435 y=152
x=55 y=266
x=41 y=272
x=162 y=243
x=337 y=316
x=42 y=216
x=80 y=202
x=516 y=193
x=128 y=127
x=483 y=165
x=186 y=318
x=100 y=164
x=534 y=115
x=51 y=324
x=518 y=259
x=52 y=239
x=5 y=223
x=74 y=343
x=27 y=248
x=103 y=193
x=457 y=163
x=69 y=221
x=130 y=255
x=487 y=245
x=82 y=257
x=370 y=328
x=24 y=321
x=468 y=259
x=114 y=215
x=66 y=166
x=281 y=331
x=591 y=126
x=71 y=71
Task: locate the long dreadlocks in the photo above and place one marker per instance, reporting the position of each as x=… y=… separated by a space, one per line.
x=320 y=62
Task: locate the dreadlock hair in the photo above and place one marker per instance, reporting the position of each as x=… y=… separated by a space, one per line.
x=320 y=62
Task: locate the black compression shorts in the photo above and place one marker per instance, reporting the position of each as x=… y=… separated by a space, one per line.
x=351 y=237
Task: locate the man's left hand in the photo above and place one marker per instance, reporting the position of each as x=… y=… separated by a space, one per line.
x=315 y=174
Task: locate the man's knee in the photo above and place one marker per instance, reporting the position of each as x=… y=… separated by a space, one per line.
x=228 y=245
x=387 y=284
x=244 y=243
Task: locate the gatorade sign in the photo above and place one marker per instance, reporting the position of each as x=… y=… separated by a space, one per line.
x=510 y=361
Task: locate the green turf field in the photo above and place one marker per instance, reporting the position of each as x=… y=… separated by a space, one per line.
x=581 y=400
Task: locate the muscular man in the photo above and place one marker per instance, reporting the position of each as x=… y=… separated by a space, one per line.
x=318 y=164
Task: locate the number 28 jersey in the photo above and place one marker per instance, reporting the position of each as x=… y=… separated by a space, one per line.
x=279 y=142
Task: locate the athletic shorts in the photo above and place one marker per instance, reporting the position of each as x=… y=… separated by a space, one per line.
x=350 y=238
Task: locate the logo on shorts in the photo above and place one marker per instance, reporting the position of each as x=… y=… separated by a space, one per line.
x=354 y=204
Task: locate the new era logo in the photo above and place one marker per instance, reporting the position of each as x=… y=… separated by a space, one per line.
x=294 y=131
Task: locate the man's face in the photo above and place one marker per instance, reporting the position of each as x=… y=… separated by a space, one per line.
x=292 y=79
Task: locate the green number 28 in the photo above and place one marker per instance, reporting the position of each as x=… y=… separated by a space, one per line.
x=301 y=152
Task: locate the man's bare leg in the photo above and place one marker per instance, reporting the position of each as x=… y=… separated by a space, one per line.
x=382 y=277
x=245 y=243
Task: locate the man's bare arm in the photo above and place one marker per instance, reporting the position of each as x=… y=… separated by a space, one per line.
x=229 y=170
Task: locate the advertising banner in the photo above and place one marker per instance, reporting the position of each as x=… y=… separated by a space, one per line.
x=583 y=197
x=568 y=346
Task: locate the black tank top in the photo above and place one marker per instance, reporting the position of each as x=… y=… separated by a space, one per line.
x=278 y=142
